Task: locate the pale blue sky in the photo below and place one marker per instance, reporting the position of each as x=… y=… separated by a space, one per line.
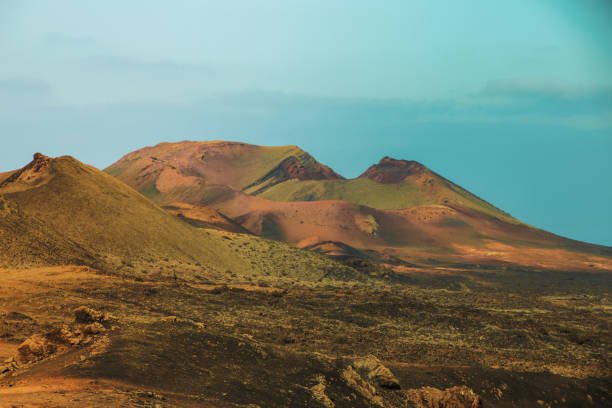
x=510 y=99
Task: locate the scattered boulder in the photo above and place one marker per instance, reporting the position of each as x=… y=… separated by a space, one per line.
x=367 y=390
x=9 y=365
x=374 y=370
x=64 y=336
x=88 y=323
x=93 y=328
x=455 y=397
x=39 y=346
x=85 y=315
x=35 y=348
x=318 y=392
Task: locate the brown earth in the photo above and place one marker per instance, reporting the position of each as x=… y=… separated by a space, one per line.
x=451 y=235
x=436 y=304
x=185 y=165
x=204 y=217
x=456 y=227
x=366 y=344
x=389 y=171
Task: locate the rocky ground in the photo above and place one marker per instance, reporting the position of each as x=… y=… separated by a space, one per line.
x=73 y=336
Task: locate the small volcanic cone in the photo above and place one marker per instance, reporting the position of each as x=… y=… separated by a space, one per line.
x=389 y=170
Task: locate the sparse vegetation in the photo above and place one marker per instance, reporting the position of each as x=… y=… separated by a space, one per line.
x=207 y=317
x=537 y=344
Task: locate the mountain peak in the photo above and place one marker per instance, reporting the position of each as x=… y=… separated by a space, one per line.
x=241 y=166
x=389 y=170
x=31 y=172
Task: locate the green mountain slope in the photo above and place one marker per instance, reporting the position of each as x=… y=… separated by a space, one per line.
x=417 y=186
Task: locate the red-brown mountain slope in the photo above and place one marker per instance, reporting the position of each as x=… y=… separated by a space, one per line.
x=169 y=168
x=396 y=207
x=389 y=170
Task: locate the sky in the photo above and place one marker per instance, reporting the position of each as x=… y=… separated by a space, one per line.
x=509 y=99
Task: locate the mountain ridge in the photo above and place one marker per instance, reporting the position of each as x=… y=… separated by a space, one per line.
x=239 y=165
x=396 y=207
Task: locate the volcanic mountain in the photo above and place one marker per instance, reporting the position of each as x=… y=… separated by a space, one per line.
x=421 y=293
x=396 y=209
x=57 y=211
x=171 y=168
x=389 y=185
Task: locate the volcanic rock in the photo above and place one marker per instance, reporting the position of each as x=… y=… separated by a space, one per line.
x=375 y=370
x=389 y=170
x=455 y=397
